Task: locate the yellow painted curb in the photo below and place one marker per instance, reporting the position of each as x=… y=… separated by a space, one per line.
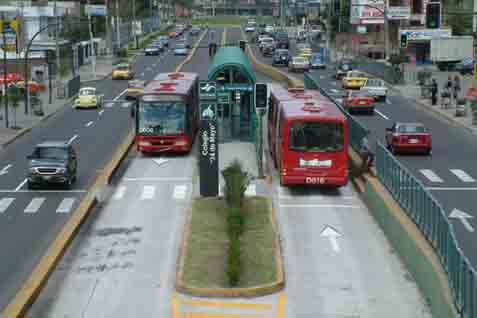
x=33 y=286
x=191 y=54
x=254 y=291
x=271 y=71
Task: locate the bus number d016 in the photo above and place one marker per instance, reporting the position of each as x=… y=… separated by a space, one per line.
x=315 y=180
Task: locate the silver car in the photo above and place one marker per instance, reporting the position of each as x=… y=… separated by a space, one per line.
x=181 y=49
x=299 y=63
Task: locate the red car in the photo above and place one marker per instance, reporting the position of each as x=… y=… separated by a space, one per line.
x=408 y=137
x=358 y=101
x=173 y=34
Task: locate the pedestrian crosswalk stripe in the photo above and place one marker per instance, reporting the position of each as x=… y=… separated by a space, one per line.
x=429 y=174
x=462 y=175
x=148 y=192
x=5 y=203
x=119 y=193
x=65 y=205
x=34 y=205
x=180 y=191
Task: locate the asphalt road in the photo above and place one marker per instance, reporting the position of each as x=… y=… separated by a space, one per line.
x=30 y=220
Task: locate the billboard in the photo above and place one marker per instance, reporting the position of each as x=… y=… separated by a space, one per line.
x=367 y=12
x=399 y=13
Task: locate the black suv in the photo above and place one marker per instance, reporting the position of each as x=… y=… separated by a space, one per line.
x=52 y=162
x=281 y=57
x=282 y=40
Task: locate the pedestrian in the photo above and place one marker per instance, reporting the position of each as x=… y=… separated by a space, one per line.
x=367 y=154
x=434 y=91
x=457 y=87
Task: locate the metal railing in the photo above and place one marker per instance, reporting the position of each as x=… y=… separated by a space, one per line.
x=357 y=130
x=432 y=221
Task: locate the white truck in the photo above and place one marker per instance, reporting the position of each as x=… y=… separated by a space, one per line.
x=446 y=52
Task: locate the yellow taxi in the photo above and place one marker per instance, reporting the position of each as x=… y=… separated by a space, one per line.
x=123 y=71
x=354 y=80
x=306 y=53
x=87 y=98
x=135 y=89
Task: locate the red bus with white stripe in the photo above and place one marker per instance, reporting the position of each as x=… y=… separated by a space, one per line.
x=307 y=138
x=167 y=113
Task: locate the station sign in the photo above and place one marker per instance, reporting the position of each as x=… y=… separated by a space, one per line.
x=238 y=87
x=208 y=111
x=223 y=97
x=208 y=158
x=207 y=90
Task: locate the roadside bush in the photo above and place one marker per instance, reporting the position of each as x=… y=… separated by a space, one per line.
x=234 y=263
x=236 y=182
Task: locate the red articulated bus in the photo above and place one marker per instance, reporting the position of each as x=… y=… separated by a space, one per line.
x=307 y=137
x=167 y=113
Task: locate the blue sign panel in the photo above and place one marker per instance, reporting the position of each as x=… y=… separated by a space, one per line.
x=238 y=87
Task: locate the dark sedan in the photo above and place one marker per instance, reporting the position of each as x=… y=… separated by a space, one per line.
x=281 y=57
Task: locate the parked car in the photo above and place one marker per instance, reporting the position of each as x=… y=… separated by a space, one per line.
x=52 y=162
x=135 y=89
x=151 y=50
x=408 y=137
x=281 y=57
x=87 y=98
x=466 y=66
x=343 y=67
x=316 y=61
x=299 y=63
x=123 y=71
x=358 y=101
x=181 y=49
x=354 y=80
x=376 y=88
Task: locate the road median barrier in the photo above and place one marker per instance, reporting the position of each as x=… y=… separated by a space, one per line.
x=247 y=292
x=39 y=277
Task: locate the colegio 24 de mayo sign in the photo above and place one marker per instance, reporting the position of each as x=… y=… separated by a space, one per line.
x=208 y=158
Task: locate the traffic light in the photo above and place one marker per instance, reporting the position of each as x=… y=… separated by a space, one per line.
x=261 y=95
x=242 y=45
x=403 y=43
x=433 y=15
x=337 y=7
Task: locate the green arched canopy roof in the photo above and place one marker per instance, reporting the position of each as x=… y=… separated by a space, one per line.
x=231 y=57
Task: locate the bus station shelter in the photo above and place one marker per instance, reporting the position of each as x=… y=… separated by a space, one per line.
x=235 y=80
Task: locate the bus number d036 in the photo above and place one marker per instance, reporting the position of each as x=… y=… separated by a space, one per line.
x=315 y=180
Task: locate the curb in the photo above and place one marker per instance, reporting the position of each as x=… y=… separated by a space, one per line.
x=39 y=277
x=246 y=292
x=412 y=231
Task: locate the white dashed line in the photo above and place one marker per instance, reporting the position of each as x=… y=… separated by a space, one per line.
x=148 y=192
x=21 y=185
x=180 y=192
x=89 y=124
x=119 y=193
x=65 y=205
x=429 y=174
x=34 y=205
x=388 y=101
x=72 y=139
x=5 y=203
x=120 y=94
x=381 y=114
x=101 y=112
x=462 y=175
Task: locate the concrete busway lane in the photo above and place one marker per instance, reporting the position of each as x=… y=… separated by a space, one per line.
x=450 y=173
x=133 y=240
x=30 y=220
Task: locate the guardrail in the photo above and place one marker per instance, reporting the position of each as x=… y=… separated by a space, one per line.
x=357 y=131
x=432 y=221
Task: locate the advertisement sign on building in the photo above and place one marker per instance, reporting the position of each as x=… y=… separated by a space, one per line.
x=367 y=12
x=425 y=34
x=399 y=13
x=95 y=10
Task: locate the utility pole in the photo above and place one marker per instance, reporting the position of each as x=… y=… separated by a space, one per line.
x=135 y=23
x=5 y=95
x=93 y=53
x=57 y=46
x=109 y=39
x=118 y=38
x=386 y=30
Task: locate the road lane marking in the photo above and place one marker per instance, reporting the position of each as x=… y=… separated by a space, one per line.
x=120 y=94
x=101 y=112
x=349 y=206
x=322 y=76
x=388 y=101
x=5 y=203
x=450 y=189
x=462 y=175
x=119 y=193
x=72 y=139
x=251 y=190
x=463 y=217
x=65 y=205
x=5 y=169
x=148 y=192
x=429 y=174
x=89 y=124
x=157 y=179
x=180 y=192
x=225 y=304
x=21 y=185
x=381 y=114
x=34 y=205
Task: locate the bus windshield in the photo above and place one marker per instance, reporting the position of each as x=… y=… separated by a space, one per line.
x=316 y=136
x=162 y=117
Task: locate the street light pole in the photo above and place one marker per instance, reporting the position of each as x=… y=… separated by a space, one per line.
x=135 y=23
x=118 y=38
x=5 y=95
x=93 y=53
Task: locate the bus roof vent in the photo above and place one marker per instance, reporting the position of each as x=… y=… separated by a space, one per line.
x=296 y=90
x=169 y=87
x=175 y=75
x=302 y=95
x=311 y=107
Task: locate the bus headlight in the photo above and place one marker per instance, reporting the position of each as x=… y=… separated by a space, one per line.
x=180 y=143
x=144 y=143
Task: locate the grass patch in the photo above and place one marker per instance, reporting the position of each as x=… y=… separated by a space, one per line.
x=206 y=255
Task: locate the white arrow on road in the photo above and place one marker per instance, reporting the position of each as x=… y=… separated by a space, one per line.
x=160 y=161
x=332 y=235
x=5 y=170
x=458 y=214
x=334 y=91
